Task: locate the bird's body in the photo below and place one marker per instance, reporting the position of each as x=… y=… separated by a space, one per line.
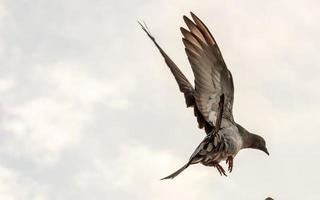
x=229 y=146
x=212 y=99
x=209 y=154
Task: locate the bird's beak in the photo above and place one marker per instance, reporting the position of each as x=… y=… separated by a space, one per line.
x=266 y=151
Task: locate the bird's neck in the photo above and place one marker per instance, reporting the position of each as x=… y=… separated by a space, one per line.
x=248 y=139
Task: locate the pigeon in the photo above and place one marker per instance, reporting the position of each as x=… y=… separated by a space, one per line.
x=211 y=99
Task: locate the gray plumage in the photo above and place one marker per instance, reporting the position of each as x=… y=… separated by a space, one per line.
x=211 y=98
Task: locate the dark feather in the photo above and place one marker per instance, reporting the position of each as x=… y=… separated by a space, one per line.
x=176 y=173
x=183 y=83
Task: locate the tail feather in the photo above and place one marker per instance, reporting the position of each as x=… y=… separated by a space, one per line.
x=171 y=176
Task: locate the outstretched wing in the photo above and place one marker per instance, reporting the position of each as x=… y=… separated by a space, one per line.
x=184 y=85
x=212 y=77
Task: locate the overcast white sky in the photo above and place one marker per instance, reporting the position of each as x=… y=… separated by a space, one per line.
x=89 y=110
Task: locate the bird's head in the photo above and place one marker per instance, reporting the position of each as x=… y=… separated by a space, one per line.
x=258 y=143
x=252 y=141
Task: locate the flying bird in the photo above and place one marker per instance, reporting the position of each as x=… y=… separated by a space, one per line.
x=211 y=99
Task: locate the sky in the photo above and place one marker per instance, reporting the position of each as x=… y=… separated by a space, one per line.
x=89 y=110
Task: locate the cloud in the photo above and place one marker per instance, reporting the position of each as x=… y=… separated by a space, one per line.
x=41 y=129
x=53 y=117
x=13 y=186
x=74 y=84
x=88 y=109
x=136 y=172
x=5 y=85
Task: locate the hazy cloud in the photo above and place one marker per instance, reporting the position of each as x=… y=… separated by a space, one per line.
x=89 y=110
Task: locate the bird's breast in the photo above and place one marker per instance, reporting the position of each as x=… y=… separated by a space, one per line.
x=230 y=145
x=232 y=140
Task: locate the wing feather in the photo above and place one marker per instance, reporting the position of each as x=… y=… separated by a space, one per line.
x=212 y=77
x=183 y=83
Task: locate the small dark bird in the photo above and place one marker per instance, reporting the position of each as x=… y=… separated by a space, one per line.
x=211 y=99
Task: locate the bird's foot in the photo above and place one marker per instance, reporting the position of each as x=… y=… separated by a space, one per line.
x=229 y=161
x=220 y=169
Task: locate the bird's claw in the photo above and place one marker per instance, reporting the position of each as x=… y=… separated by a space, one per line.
x=220 y=169
x=229 y=161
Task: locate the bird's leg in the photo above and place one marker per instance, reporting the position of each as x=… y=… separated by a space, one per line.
x=229 y=161
x=220 y=169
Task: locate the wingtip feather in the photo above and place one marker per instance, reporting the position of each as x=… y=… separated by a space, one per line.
x=188 y=21
x=194 y=17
